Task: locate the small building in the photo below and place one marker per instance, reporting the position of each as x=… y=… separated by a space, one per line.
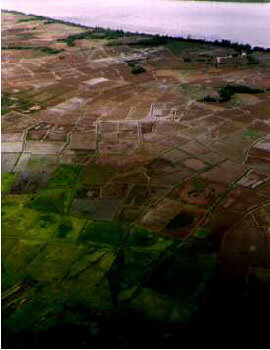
x=224 y=59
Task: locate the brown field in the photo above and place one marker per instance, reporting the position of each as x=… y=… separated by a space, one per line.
x=165 y=151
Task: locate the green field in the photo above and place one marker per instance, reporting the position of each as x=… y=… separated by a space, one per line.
x=54 y=264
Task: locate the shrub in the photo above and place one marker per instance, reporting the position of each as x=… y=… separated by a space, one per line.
x=226 y=93
x=187 y=59
x=138 y=70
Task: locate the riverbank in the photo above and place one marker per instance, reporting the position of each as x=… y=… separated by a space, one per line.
x=244 y=23
x=158 y=39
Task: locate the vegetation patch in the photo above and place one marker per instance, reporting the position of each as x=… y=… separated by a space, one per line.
x=180 y=221
x=6 y=103
x=140 y=237
x=202 y=232
x=198 y=184
x=152 y=41
x=157 y=307
x=96 y=175
x=137 y=69
x=226 y=93
x=66 y=176
x=45 y=49
x=108 y=233
x=184 y=273
x=9 y=102
x=178 y=47
x=64 y=228
x=97 y=33
x=35 y=18
x=7 y=180
x=109 y=267
x=52 y=200
x=252 y=134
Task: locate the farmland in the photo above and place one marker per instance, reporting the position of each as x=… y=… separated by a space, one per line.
x=135 y=173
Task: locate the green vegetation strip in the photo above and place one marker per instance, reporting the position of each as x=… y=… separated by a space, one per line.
x=7 y=180
x=35 y=18
x=226 y=93
x=44 y=49
x=97 y=33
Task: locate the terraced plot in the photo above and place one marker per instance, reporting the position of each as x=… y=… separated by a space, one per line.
x=126 y=196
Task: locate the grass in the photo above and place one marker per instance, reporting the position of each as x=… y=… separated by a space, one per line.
x=29 y=222
x=108 y=233
x=178 y=47
x=65 y=177
x=6 y=103
x=251 y=134
x=56 y=266
x=9 y=103
x=7 y=180
x=64 y=228
x=52 y=201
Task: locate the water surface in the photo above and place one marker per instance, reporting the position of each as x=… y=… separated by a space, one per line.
x=238 y=22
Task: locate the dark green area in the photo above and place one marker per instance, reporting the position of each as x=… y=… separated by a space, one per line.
x=198 y=184
x=101 y=284
x=97 y=33
x=10 y=102
x=227 y=92
x=178 y=47
x=152 y=41
x=202 y=232
x=49 y=50
x=6 y=102
x=7 y=180
x=50 y=21
x=104 y=233
x=52 y=201
x=180 y=221
x=64 y=228
x=58 y=268
x=137 y=69
x=60 y=190
x=44 y=49
x=252 y=134
x=35 y=18
x=65 y=177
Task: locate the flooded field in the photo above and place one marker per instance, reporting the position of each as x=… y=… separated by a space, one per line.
x=135 y=189
x=237 y=22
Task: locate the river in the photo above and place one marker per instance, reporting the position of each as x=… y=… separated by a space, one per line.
x=238 y=22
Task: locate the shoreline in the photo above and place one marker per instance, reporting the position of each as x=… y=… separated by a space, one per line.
x=219 y=43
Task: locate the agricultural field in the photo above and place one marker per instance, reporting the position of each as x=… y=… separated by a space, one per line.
x=135 y=185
